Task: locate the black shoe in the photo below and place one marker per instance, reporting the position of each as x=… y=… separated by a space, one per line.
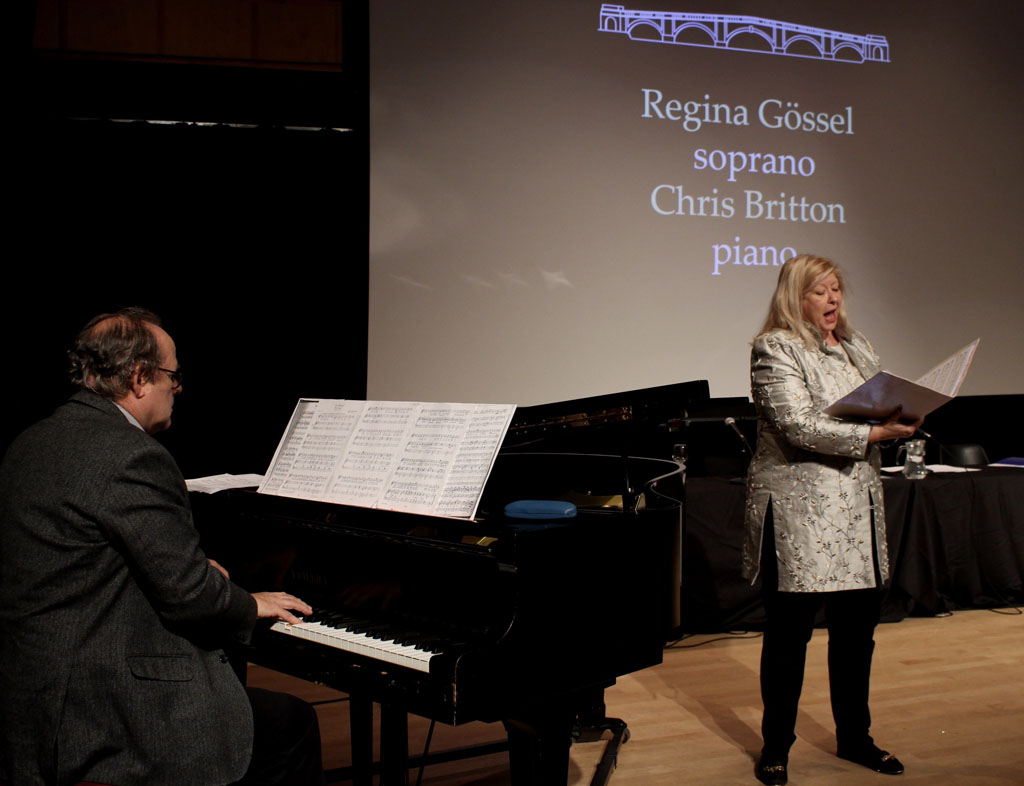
x=771 y=772
x=874 y=758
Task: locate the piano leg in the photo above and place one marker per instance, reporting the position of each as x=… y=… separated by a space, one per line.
x=360 y=713
x=394 y=745
x=591 y=726
x=538 y=747
x=538 y=742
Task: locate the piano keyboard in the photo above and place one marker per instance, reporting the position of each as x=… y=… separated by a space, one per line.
x=338 y=633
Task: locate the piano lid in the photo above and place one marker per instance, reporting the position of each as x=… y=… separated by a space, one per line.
x=634 y=422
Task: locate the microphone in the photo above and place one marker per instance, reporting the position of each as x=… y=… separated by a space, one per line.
x=731 y=423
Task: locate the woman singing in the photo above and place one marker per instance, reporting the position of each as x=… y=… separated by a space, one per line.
x=815 y=523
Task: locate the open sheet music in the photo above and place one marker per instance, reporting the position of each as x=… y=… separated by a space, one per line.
x=415 y=457
x=878 y=398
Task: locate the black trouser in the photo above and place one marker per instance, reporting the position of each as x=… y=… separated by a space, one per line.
x=286 y=741
x=852 y=616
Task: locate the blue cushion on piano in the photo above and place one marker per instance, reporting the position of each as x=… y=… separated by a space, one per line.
x=540 y=509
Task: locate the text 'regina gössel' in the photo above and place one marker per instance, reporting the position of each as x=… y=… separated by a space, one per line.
x=771 y=113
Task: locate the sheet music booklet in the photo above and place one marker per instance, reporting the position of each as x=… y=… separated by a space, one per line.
x=415 y=457
x=878 y=398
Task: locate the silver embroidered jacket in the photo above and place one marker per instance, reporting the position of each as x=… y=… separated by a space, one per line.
x=819 y=473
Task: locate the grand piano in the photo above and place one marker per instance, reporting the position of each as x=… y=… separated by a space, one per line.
x=497 y=619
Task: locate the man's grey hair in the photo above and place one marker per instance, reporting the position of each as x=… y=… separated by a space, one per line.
x=111 y=347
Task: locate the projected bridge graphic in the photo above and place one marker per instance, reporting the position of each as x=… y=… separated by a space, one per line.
x=743 y=33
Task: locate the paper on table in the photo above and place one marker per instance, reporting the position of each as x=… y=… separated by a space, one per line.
x=896 y=470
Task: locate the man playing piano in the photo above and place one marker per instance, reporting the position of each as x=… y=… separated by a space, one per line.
x=112 y=619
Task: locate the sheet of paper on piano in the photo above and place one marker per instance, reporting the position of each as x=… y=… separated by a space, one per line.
x=211 y=484
x=877 y=398
x=415 y=457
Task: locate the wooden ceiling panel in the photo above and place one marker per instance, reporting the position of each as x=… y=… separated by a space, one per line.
x=263 y=33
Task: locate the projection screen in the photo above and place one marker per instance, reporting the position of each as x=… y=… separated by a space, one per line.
x=576 y=198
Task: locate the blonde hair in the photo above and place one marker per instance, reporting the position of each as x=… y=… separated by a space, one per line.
x=799 y=275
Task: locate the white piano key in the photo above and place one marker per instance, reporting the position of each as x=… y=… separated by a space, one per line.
x=358 y=643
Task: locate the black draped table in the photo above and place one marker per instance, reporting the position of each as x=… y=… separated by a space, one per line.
x=956 y=540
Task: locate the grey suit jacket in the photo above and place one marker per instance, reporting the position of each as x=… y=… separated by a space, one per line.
x=111 y=617
x=819 y=474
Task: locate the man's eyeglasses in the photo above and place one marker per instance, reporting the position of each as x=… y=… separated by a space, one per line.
x=174 y=375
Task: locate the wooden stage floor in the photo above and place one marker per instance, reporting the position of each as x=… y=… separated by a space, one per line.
x=947 y=698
